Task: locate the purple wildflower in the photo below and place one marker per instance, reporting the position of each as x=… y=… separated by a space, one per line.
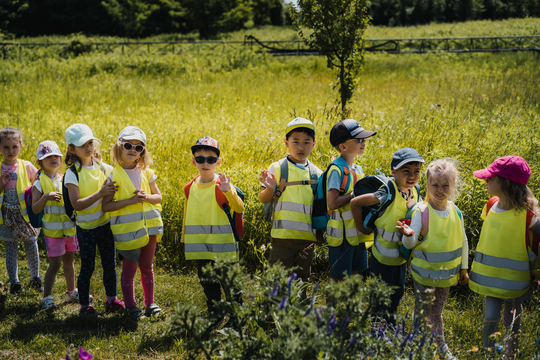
x=318 y=312
x=315 y=288
x=332 y=324
x=275 y=290
x=350 y=343
x=84 y=355
x=407 y=339
x=308 y=311
x=344 y=323
x=251 y=297
x=411 y=354
x=283 y=303
x=289 y=282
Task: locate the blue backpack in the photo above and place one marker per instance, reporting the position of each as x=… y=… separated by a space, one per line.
x=283 y=183
x=321 y=214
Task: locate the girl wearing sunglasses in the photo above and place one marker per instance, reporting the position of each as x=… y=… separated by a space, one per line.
x=135 y=216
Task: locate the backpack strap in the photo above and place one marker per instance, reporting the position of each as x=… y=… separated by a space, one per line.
x=530 y=216
x=224 y=205
x=188 y=186
x=490 y=203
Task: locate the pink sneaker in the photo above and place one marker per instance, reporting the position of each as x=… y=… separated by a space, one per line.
x=89 y=311
x=116 y=305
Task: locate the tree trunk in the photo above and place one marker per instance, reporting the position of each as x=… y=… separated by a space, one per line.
x=343 y=88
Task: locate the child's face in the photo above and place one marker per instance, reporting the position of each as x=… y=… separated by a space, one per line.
x=205 y=169
x=493 y=186
x=136 y=147
x=353 y=146
x=300 y=146
x=51 y=163
x=85 y=151
x=10 y=150
x=439 y=188
x=407 y=175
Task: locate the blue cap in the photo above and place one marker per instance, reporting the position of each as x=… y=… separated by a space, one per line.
x=404 y=156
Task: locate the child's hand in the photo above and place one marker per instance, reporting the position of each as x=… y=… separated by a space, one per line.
x=404 y=228
x=463 y=277
x=108 y=188
x=140 y=196
x=225 y=183
x=268 y=179
x=363 y=230
x=5 y=177
x=53 y=196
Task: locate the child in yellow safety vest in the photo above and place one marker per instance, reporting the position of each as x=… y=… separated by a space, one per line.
x=17 y=176
x=86 y=183
x=207 y=232
x=57 y=228
x=291 y=195
x=135 y=216
x=440 y=260
x=504 y=256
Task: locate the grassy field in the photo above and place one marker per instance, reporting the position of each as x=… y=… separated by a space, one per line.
x=472 y=107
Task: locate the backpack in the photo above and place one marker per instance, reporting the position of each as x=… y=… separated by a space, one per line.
x=321 y=214
x=35 y=219
x=528 y=233
x=65 y=193
x=283 y=183
x=370 y=184
x=407 y=253
x=236 y=219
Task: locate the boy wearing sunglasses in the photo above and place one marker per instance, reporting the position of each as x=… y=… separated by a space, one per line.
x=293 y=237
x=347 y=252
x=207 y=233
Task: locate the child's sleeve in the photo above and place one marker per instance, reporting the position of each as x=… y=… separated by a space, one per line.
x=31 y=170
x=465 y=247
x=333 y=180
x=37 y=185
x=236 y=204
x=70 y=178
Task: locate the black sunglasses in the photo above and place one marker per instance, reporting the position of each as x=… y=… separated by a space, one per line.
x=128 y=146
x=208 y=159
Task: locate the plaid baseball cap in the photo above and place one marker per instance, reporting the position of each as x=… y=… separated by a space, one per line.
x=206 y=142
x=299 y=123
x=348 y=129
x=47 y=148
x=133 y=133
x=513 y=168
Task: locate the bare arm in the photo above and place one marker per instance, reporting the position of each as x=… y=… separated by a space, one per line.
x=81 y=204
x=270 y=183
x=335 y=201
x=356 y=208
x=39 y=199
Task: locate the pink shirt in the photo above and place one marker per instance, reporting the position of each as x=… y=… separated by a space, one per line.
x=14 y=172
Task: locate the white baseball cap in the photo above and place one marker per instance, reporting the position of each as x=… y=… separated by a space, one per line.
x=47 y=148
x=79 y=134
x=132 y=133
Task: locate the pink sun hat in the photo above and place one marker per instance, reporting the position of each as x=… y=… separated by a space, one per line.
x=513 y=168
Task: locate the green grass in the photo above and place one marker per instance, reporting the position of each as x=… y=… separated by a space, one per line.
x=473 y=107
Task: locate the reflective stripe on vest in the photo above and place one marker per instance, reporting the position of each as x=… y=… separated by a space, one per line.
x=90 y=182
x=55 y=223
x=292 y=214
x=130 y=224
x=500 y=268
x=437 y=259
x=386 y=248
x=207 y=232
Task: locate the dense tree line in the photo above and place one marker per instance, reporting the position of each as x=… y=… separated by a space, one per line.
x=140 y=18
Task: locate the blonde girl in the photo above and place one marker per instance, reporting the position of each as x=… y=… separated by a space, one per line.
x=440 y=260
x=135 y=216
x=57 y=228
x=503 y=257
x=16 y=176
x=86 y=182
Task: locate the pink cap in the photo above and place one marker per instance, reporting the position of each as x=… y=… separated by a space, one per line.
x=513 y=168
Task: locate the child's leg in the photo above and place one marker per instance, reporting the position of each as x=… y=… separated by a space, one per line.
x=435 y=316
x=69 y=269
x=421 y=303
x=105 y=244
x=491 y=320
x=32 y=257
x=211 y=287
x=12 y=248
x=87 y=251
x=393 y=276
x=512 y=323
x=146 y=261
x=129 y=268
x=50 y=275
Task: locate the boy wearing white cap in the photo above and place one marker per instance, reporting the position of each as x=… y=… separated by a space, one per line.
x=289 y=185
x=57 y=228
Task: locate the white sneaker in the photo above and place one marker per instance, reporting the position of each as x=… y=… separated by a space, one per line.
x=48 y=303
x=74 y=296
x=445 y=353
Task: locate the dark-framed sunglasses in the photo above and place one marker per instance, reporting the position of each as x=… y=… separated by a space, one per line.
x=208 y=159
x=128 y=146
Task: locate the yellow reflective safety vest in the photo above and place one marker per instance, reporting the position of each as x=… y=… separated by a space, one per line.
x=437 y=259
x=208 y=234
x=342 y=219
x=292 y=212
x=502 y=263
x=90 y=182
x=23 y=182
x=55 y=222
x=132 y=224
x=386 y=247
